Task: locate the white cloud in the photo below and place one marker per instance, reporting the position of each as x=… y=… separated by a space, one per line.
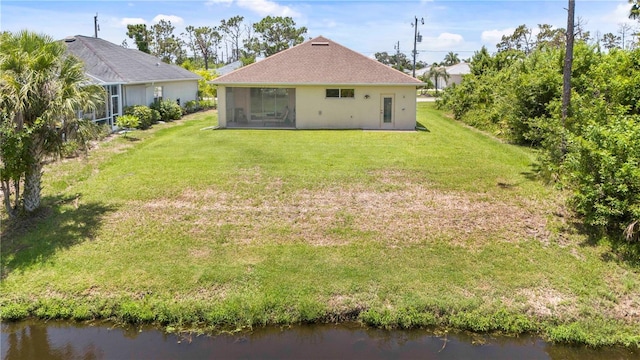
x=175 y=20
x=451 y=37
x=131 y=21
x=444 y=41
x=619 y=15
x=267 y=7
x=495 y=36
x=218 y=2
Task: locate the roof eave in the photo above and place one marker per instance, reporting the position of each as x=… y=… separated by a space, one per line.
x=157 y=81
x=248 y=84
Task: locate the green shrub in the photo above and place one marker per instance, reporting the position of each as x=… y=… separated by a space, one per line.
x=127 y=122
x=603 y=166
x=207 y=104
x=191 y=106
x=69 y=149
x=205 y=88
x=168 y=110
x=144 y=114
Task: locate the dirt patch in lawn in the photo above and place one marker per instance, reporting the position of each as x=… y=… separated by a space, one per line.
x=332 y=216
x=547 y=302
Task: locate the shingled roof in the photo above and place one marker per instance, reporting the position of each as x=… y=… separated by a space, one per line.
x=319 y=61
x=106 y=62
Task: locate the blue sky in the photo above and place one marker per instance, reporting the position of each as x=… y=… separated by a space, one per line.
x=365 y=26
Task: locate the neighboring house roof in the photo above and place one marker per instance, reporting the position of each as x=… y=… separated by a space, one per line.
x=319 y=61
x=224 y=70
x=106 y=62
x=459 y=69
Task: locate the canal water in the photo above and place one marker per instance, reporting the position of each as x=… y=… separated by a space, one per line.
x=61 y=340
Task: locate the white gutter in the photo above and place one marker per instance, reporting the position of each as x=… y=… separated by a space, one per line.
x=309 y=84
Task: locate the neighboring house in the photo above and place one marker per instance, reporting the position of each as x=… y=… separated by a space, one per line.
x=224 y=70
x=318 y=84
x=130 y=77
x=455 y=73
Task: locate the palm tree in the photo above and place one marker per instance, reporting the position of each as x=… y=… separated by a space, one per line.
x=634 y=13
x=451 y=59
x=438 y=72
x=42 y=88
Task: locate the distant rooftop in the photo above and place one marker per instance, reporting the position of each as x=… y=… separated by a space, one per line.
x=224 y=70
x=106 y=62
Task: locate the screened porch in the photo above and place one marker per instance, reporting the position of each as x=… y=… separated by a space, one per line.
x=260 y=107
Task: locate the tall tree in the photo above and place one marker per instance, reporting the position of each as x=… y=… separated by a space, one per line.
x=277 y=34
x=579 y=30
x=451 y=59
x=398 y=61
x=248 y=54
x=232 y=30
x=436 y=73
x=204 y=41
x=165 y=44
x=611 y=41
x=141 y=36
x=42 y=88
x=481 y=62
x=625 y=31
x=549 y=37
x=521 y=40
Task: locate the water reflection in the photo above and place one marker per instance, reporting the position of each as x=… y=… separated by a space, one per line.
x=32 y=341
x=55 y=340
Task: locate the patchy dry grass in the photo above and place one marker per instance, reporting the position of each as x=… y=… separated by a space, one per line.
x=237 y=228
x=409 y=214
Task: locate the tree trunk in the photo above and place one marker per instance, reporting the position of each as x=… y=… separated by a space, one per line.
x=32 y=187
x=6 y=193
x=566 y=83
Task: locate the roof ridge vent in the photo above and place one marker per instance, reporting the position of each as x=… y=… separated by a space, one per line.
x=320 y=43
x=69 y=39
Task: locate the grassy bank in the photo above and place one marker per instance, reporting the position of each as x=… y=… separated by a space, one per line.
x=186 y=228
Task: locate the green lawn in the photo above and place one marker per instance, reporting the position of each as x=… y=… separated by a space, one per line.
x=213 y=229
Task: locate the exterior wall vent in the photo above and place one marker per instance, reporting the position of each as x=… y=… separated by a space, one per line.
x=319 y=43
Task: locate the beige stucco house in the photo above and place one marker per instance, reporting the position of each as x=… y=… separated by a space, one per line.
x=318 y=84
x=130 y=77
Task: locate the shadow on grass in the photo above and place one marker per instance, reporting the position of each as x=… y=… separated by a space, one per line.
x=619 y=250
x=421 y=127
x=61 y=223
x=535 y=173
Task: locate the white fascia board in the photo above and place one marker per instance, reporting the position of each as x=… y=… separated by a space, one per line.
x=308 y=84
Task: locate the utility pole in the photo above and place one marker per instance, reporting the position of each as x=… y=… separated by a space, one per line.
x=397 y=47
x=416 y=39
x=566 y=78
x=96 y=27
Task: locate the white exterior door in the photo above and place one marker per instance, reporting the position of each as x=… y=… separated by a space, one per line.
x=387 y=111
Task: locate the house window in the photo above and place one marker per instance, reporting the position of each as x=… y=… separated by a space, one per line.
x=157 y=94
x=333 y=93
x=347 y=93
x=340 y=93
